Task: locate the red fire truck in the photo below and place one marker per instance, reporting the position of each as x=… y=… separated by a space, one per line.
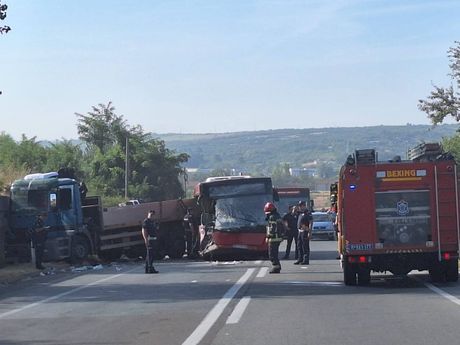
x=398 y=216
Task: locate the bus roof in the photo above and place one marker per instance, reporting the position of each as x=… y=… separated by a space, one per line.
x=237 y=180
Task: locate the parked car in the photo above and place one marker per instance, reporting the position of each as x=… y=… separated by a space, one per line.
x=324 y=225
x=131 y=202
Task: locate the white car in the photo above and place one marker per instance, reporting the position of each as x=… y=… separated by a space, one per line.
x=323 y=225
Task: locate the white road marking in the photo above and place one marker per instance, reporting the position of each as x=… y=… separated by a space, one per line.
x=306 y=283
x=237 y=313
x=258 y=262
x=52 y=298
x=262 y=272
x=444 y=294
x=209 y=320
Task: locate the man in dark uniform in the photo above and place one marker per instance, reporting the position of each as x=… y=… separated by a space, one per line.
x=275 y=230
x=38 y=236
x=149 y=232
x=191 y=234
x=304 y=228
x=290 y=223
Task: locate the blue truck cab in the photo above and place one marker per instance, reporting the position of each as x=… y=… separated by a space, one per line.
x=59 y=201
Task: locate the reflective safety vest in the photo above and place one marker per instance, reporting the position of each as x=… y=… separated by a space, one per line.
x=274 y=228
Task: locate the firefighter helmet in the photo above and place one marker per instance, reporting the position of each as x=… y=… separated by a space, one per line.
x=269 y=207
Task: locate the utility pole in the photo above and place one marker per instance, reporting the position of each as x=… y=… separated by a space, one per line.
x=126 y=169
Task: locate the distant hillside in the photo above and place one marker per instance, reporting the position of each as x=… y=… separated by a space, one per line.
x=261 y=151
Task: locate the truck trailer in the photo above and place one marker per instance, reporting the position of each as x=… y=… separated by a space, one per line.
x=398 y=215
x=79 y=226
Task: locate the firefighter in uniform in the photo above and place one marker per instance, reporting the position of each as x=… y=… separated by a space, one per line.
x=274 y=235
x=149 y=232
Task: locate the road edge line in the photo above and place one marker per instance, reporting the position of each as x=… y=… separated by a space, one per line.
x=52 y=298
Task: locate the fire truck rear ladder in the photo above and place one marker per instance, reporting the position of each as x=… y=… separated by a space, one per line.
x=456 y=208
x=437 y=210
x=438 y=213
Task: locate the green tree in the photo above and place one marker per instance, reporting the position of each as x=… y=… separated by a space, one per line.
x=153 y=169
x=65 y=154
x=452 y=145
x=101 y=128
x=3 y=29
x=19 y=158
x=445 y=101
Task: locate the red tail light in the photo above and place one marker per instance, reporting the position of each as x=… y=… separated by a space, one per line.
x=359 y=259
x=446 y=256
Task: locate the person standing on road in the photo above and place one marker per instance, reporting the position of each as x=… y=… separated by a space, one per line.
x=290 y=223
x=275 y=232
x=191 y=234
x=38 y=236
x=149 y=232
x=304 y=228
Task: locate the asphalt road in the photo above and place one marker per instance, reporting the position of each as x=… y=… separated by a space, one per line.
x=229 y=303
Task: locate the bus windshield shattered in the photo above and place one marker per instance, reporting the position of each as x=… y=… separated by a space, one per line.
x=232 y=217
x=239 y=206
x=237 y=212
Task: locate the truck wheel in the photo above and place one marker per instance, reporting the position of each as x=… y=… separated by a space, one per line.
x=364 y=276
x=349 y=274
x=452 y=271
x=80 y=249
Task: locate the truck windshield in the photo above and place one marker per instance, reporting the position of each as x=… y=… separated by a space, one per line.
x=29 y=199
x=243 y=211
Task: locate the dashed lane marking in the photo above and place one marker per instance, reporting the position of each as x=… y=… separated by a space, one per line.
x=262 y=272
x=238 y=312
x=203 y=328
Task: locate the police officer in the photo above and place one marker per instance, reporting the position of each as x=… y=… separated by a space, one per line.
x=191 y=234
x=304 y=228
x=275 y=231
x=38 y=236
x=290 y=223
x=149 y=232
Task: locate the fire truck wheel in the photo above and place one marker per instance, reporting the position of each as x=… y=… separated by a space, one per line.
x=349 y=274
x=364 y=276
x=452 y=271
x=80 y=249
x=436 y=274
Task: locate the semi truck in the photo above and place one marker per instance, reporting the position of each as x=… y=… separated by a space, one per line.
x=398 y=215
x=79 y=226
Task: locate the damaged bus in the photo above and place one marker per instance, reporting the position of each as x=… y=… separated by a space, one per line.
x=233 y=222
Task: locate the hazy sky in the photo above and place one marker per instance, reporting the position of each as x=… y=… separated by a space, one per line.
x=222 y=65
